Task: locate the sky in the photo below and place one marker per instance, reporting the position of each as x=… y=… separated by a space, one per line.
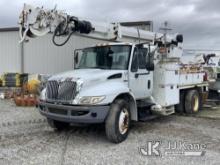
x=197 y=20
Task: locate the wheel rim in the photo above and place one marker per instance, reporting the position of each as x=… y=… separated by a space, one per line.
x=123 y=121
x=195 y=104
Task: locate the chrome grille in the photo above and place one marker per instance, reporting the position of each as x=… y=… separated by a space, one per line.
x=63 y=91
x=67 y=90
x=52 y=89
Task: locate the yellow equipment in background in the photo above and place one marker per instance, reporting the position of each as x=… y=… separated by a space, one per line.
x=33 y=86
x=11 y=80
x=0 y=81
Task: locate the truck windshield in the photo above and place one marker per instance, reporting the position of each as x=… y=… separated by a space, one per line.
x=105 y=57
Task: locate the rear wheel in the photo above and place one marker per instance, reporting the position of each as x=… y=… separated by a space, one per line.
x=57 y=124
x=192 y=102
x=118 y=121
x=180 y=108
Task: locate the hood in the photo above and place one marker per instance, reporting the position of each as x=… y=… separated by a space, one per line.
x=88 y=76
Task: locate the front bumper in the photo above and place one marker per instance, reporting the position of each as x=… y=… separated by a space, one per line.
x=74 y=114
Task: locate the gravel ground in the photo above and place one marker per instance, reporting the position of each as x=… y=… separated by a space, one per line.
x=25 y=138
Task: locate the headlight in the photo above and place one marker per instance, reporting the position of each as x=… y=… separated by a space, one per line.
x=43 y=94
x=91 y=99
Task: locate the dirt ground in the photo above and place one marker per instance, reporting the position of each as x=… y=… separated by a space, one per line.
x=25 y=138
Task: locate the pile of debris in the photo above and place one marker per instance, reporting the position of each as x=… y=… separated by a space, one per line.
x=24 y=89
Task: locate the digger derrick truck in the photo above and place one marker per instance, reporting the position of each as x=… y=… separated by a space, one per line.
x=134 y=76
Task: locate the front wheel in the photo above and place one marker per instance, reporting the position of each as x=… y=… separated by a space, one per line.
x=118 y=121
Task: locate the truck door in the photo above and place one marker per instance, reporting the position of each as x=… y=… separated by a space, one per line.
x=140 y=79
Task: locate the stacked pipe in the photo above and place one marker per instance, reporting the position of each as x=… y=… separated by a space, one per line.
x=26 y=100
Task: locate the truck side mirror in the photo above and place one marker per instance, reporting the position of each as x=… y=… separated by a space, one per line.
x=134 y=64
x=150 y=62
x=77 y=57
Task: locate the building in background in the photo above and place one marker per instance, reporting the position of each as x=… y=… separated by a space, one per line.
x=38 y=55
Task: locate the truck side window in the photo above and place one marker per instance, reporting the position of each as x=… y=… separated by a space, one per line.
x=134 y=65
x=142 y=58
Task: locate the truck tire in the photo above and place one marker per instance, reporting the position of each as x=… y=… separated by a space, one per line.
x=180 y=108
x=193 y=102
x=57 y=124
x=118 y=121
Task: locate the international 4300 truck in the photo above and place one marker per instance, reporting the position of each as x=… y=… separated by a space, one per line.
x=136 y=74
